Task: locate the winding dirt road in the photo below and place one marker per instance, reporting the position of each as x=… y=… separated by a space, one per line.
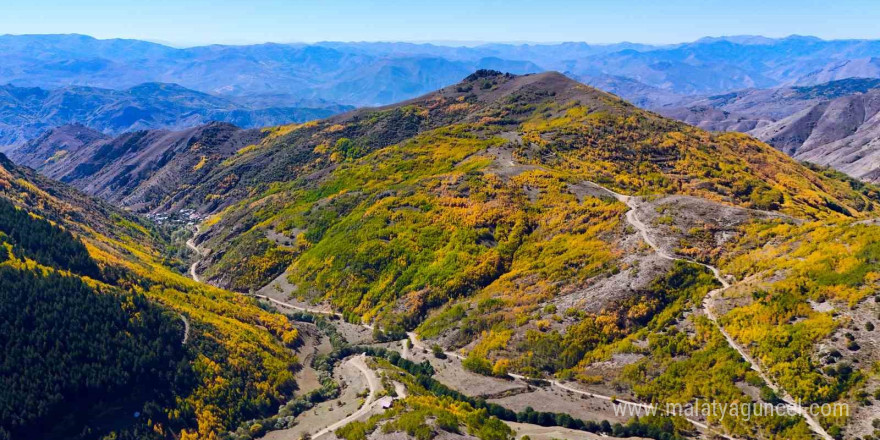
x=372 y=383
x=632 y=219
x=191 y=244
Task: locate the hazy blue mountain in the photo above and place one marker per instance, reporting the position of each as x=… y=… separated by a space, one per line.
x=381 y=73
x=352 y=74
x=26 y=112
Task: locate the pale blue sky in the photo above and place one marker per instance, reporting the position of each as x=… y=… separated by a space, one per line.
x=188 y=22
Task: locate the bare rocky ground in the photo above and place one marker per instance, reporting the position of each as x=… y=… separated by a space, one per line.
x=855 y=344
x=280 y=239
x=694 y=227
x=638 y=270
x=504 y=163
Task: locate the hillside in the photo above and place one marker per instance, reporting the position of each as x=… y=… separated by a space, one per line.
x=471 y=215
x=537 y=227
x=482 y=216
x=841 y=133
x=25 y=113
x=138 y=170
x=762 y=106
x=101 y=337
x=827 y=124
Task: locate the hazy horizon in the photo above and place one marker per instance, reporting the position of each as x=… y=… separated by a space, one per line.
x=442 y=43
x=187 y=23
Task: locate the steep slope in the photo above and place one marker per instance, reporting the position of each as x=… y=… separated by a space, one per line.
x=841 y=133
x=727 y=112
x=100 y=337
x=827 y=124
x=27 y=112
x=713 y=119
x=138 y=170
x=53 y=144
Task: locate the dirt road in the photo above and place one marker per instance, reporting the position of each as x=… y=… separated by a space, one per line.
x=185 y=329
x=634 y=221
x=372 y=383
x=191 y=244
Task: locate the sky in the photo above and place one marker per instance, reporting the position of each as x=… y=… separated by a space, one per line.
x=196 y=22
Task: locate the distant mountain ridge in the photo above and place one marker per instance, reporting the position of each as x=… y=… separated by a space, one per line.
x=843 y=133
x=382 y=73
x=26 y=112
x=137 y=169
x=833 y=124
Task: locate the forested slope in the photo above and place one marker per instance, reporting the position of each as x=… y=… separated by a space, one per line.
x=92 y=327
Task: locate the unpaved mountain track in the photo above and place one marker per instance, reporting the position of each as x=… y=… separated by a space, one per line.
x=633 y=220
x=191 y=244
x=185 y=329
x=372 y=383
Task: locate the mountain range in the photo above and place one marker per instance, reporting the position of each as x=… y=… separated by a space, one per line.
x=740 y=83
x=26 y=112
x=381 y=73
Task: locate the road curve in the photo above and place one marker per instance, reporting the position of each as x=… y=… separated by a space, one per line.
x=634 y=221
x=372 y=382
x=191 y=244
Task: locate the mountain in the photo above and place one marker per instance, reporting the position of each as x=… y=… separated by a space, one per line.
x=140 y=169
x=842 y=133
x=826 y=124
x=27 y=112
x=381 y=73
x=490 y=218
x=103 y=336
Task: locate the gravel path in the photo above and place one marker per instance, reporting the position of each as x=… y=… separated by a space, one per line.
x=185 y=329
x=632 y=219
x=372 y=383
x=191 y=244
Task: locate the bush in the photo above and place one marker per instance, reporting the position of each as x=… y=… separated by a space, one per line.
x=477 y=365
